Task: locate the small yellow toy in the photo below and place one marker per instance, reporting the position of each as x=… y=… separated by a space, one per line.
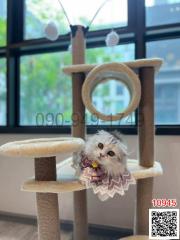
x=95 y=164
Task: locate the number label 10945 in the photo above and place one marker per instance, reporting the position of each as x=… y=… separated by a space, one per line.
x=164 y=202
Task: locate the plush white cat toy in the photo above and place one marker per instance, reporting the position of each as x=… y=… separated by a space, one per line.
x=102 y=165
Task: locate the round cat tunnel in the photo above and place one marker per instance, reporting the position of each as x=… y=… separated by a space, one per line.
x=112 y=71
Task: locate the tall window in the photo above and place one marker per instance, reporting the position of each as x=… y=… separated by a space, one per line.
x=160 y=12
x=3 y=27
x=167 y=81
x=2 y=91
x=39 y=12
x=3 y=17
x=46 y=102
x=36 y=96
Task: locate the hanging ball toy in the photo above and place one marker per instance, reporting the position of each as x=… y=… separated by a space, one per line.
x=51 y=31
x=112 y=39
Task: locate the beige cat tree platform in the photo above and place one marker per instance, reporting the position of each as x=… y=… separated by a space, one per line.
x=51 y=179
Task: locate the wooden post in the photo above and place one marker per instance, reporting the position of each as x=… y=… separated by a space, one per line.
x=47 y=203
x=146 y=118
x=78 y=128
x=146 y=149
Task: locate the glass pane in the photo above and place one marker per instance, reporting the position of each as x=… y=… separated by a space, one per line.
x=108 y=97
x=45 y=94
x=120 y=53
x=3 y=16
x=112 y=94
x=2 y=92
x=159 y=12
x=167 y=81
x=40 y=12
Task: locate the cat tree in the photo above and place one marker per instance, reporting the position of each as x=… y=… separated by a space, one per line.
x=51 y=179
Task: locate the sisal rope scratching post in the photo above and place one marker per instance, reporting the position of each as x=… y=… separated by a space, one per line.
x=47 y=203
x=78 y=128
x=146 y=149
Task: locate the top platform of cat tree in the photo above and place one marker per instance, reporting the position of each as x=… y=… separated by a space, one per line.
x=135 y=65
x=42 y=147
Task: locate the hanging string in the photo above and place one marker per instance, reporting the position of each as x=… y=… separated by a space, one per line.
x=65 y=13
x=95 y=15
x=92 y=20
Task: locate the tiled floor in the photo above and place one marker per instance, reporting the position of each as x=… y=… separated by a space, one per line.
x=17 y=231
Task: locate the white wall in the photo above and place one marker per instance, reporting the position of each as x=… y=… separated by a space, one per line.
x=116 y=212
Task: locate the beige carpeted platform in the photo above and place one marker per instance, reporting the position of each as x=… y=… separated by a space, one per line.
x=67 y=182
x=42 y=147
x=153 y=62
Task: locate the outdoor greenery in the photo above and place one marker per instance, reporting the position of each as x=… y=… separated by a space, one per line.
x=2 y=32
x=46 y=94
x=39 y=12
x=45 y=90
x=3 y=13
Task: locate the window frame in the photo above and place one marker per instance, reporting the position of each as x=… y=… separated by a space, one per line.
x=135 y=32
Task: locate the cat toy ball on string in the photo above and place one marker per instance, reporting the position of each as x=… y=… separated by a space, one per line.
x=52 y=33
x=51 y=29
x=112 y=39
